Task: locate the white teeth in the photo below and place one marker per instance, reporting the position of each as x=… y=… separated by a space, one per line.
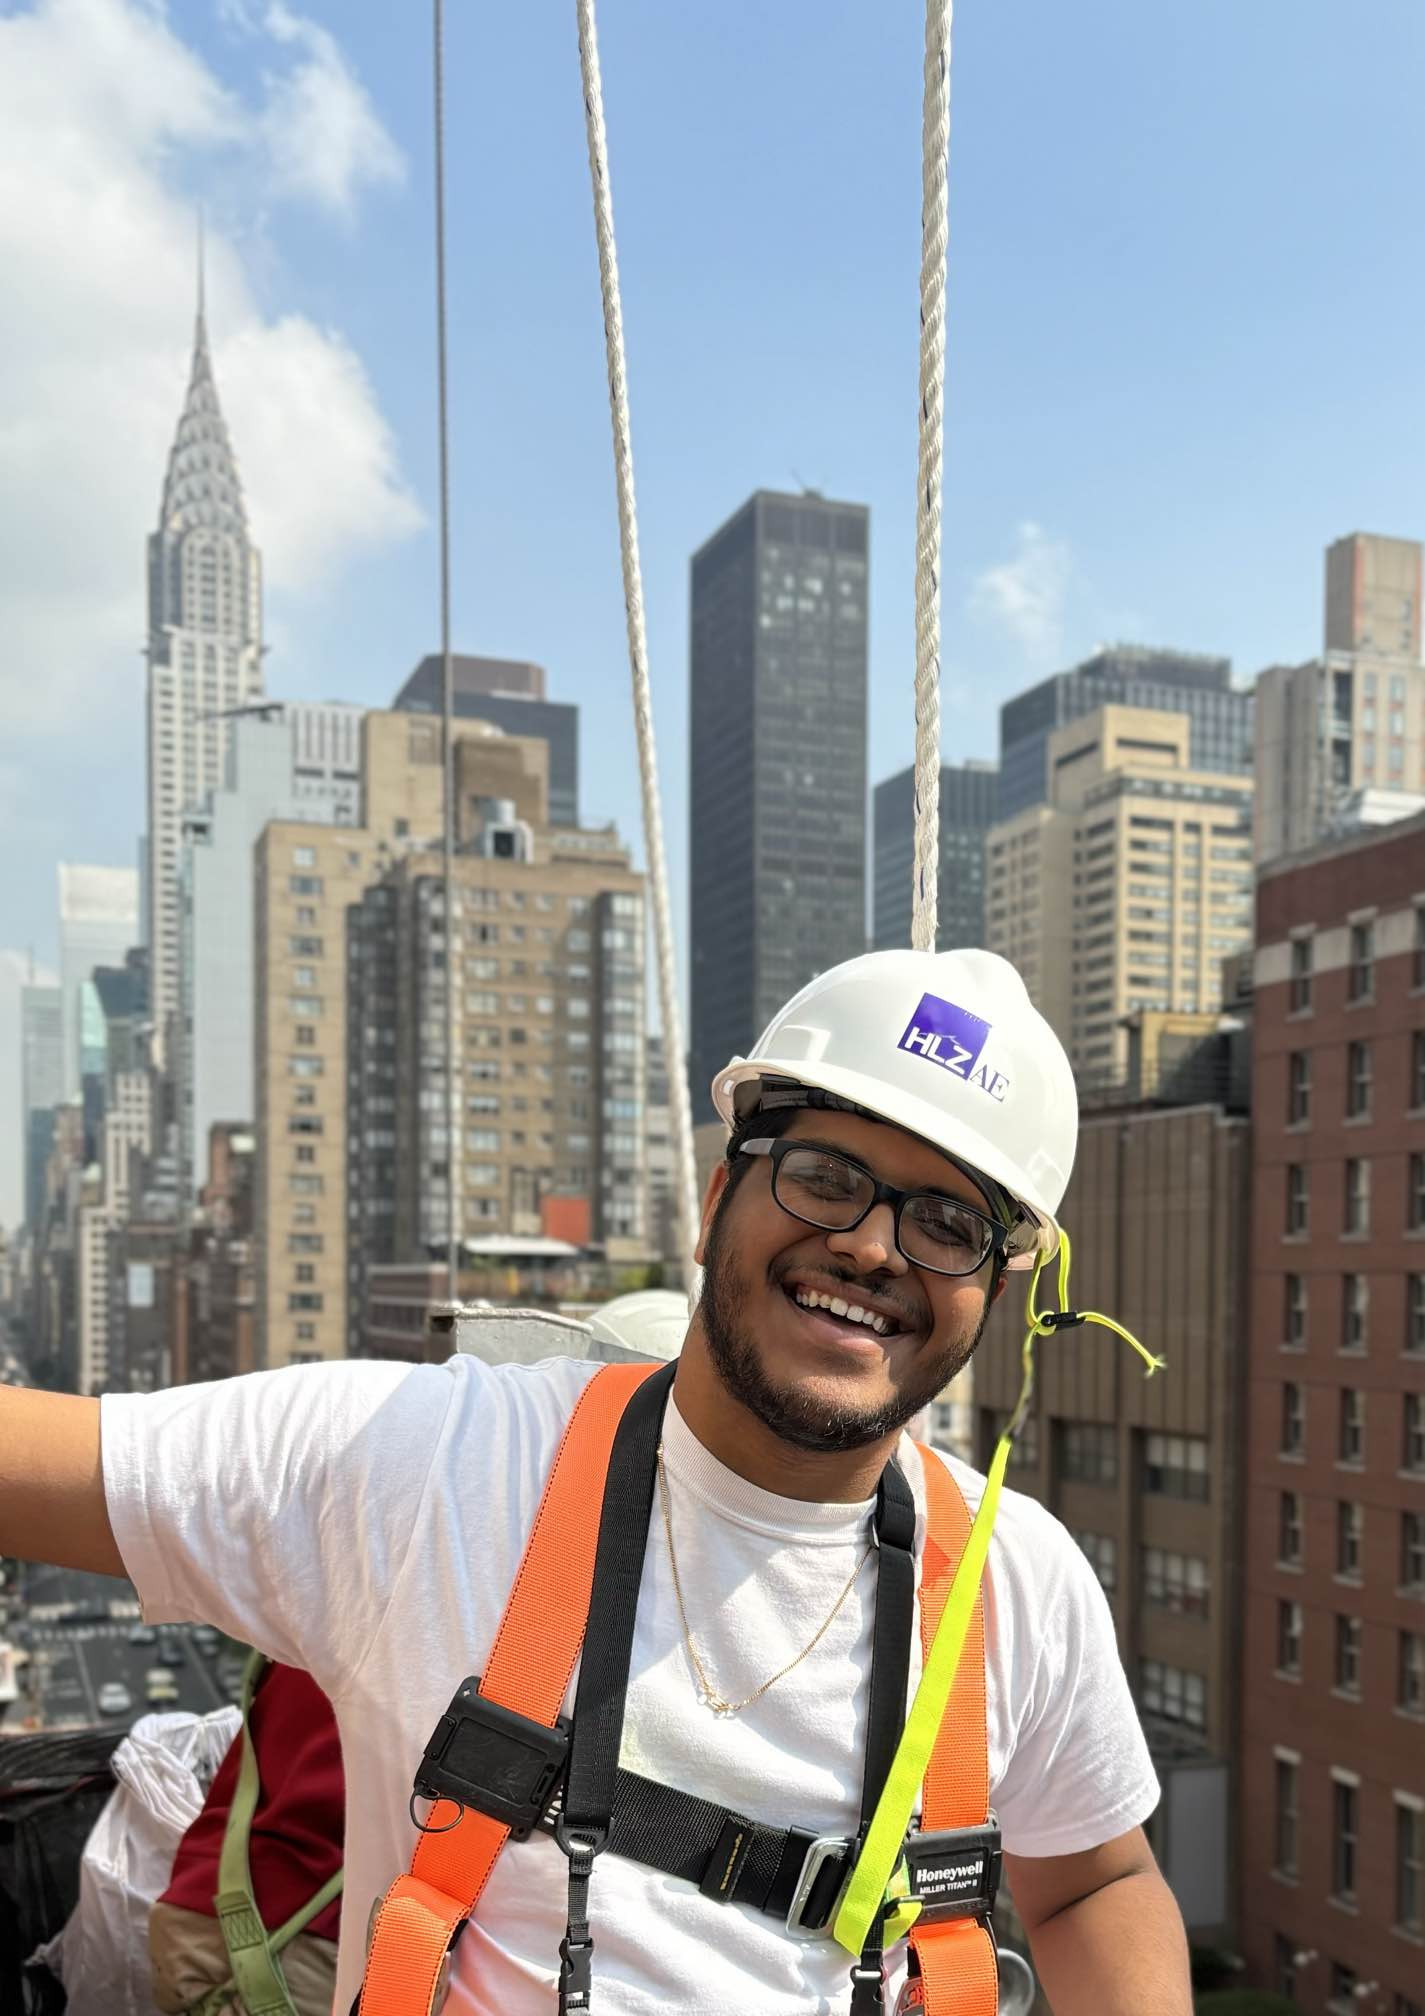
x=810 y=1298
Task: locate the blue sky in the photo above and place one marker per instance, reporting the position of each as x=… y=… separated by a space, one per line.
x=1184 y=348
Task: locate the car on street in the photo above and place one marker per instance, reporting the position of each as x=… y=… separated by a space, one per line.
x=171 y=1652
x=206 y=1639
x=161 y=1689
x=114 y=1698
x=142 y=1634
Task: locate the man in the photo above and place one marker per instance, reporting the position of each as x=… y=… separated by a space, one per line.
x=899 y=1139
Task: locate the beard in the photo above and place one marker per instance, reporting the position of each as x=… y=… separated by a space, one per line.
x=803 y=1419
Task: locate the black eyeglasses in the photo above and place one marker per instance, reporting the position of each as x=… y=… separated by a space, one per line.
x=834 y=1193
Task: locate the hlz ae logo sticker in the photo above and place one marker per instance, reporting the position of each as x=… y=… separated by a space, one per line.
x=953 y=1038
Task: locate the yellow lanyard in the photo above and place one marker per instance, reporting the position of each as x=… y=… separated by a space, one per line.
x=879 y=1877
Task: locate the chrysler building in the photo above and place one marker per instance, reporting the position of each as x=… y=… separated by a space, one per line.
x=204 y=649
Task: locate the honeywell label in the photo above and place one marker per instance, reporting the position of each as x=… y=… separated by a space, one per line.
x=957 y=1877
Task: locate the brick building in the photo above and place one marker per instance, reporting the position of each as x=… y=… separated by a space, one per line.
x=1332 y=1816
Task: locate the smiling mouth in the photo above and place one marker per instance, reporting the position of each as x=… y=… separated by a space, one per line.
x=850 y=1317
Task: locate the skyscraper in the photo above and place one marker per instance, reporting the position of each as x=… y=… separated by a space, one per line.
x=1125 y=675
x=41 y=1084
x=1341 y=739
x=204 y=649
x=98 y=924
x=968 y=798
x=778 y=763
x=293 y=761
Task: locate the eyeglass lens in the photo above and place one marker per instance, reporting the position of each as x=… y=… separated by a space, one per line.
x=826 y=1190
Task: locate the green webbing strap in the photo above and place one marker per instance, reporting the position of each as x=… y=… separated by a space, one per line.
x=256 y=1976
x=878 y=1877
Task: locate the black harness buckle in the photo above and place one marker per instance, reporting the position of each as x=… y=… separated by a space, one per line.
x=954 y=1872
x=489 y=1758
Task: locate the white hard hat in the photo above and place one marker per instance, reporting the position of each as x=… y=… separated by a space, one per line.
x=945 y=1044
x=649 y=1323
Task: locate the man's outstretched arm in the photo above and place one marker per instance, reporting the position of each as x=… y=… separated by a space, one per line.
x=52 y=1482
x=1104 y=1930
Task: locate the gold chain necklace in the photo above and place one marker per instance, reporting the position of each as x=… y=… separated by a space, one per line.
x=718 y=1702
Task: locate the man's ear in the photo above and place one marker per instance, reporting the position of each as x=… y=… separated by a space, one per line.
x=1000 y=1286
x=712 y=1196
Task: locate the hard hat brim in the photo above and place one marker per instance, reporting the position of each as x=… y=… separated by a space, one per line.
x=920 y=1117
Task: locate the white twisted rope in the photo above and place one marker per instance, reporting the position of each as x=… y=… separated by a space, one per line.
x=935 y=148
x=453 y=1087
x=685 y=1181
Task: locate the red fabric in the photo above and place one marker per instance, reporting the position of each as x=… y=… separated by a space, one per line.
x=296 y=1838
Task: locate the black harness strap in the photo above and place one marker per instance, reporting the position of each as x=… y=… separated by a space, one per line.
x=728 y=1856
x=582 y=1829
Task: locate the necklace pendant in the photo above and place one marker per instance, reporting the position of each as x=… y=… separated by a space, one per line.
x=718 y=1703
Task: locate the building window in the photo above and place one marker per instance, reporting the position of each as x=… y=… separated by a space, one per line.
x=1360 y=970
x=1173 y=1694
x=1415 y=1195
x=305 y=885
x=1348 y=1654
x=1285 y=1833
x=1289 y=1638
x=1298 y=1095
x=1289 y=1551
x=1173 y=1581
x=1348 y=1539
x=1301 y=963
x=1415 y=1313
x=1409 y=1863
x=1351 y=1436
x=1101 y=1552
x=1358 y=1081
x=1412 y=1552
x=1284 y=1966
x=1088 y=1451
x=1412 y=1454
x=1417 y=1068
x=304 y=1271
x=304 y=1301
x=1294 y=1312
x=304 y=857
x=1293 y=1438
x=1345 y=1828
x=1355 y=1311
x=1342 y=2000
x=1417 y=970
x=1410 y=1672
x=1358 y=1195
x=1175 y=1466
x=1296 y=1199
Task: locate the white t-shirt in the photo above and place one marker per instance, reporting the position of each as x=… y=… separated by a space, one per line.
x=365 y=1521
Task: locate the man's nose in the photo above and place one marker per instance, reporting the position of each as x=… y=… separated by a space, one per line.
x=870 y=1246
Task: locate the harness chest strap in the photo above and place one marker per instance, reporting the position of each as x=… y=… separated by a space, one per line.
x=529 y=1669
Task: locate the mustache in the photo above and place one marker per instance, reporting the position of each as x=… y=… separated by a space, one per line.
x=911 y=1319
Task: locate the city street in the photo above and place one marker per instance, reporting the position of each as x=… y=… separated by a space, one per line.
x=75 y=1656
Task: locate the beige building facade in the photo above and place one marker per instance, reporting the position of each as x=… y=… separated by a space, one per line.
x=1125 y=892
x=352 y=1111
x=1341 y=739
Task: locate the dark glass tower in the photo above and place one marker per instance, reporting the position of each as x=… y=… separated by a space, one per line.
x=968 y=796
x=777 y=732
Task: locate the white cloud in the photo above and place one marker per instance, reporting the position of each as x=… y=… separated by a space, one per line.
x=322 y=135
x=107 y=121
x=1025 y=597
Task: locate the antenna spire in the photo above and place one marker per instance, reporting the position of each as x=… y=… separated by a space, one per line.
x=202 y=276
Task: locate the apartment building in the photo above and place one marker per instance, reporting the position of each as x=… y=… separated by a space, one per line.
x=1332 y=1863
x=546 y=946
x=1146 y=1472
x=1128 y=888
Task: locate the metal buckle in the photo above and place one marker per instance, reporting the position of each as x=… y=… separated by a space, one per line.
x=821 y=1851
x=954 y=1872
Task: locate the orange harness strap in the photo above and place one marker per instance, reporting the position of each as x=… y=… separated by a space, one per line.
x=528 y=1670
x=958 y=1976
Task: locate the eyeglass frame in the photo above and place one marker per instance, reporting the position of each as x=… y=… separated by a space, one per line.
x=777 y=1147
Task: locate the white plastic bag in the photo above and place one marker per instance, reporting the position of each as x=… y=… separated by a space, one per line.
x=164 y=1767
